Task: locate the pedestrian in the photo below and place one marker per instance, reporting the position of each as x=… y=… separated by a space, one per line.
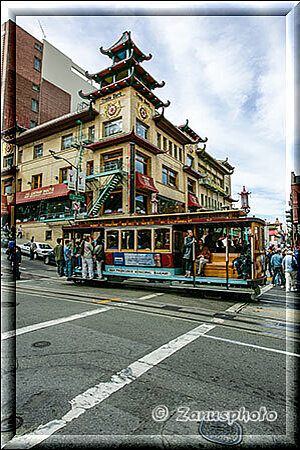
x=68 y=258
x=297 y=256
x=59 y=257
x=276 y=264
x=16 y=259
x=188 y=256
x=289 y=265
x=76 y=255
x=270 y=253
x=20 y=232
x=33 y=247
x=98 y=253
x=86 y=253
x=202 y=256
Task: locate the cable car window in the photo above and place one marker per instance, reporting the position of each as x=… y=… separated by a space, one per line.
x=127 y=240
x=144 y=239
x=112 y=240
x=162 y=239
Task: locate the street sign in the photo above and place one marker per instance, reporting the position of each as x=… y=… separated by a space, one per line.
x=76 y=205
x=79 y=198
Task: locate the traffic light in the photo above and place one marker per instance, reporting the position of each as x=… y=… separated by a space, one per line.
x=289 y=216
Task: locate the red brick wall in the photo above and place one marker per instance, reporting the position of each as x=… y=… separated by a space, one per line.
x=24 y=96
x=54 y=101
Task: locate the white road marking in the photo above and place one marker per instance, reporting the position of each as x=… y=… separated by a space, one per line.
x=147 y=297
x=98 y=393
x=50 y=323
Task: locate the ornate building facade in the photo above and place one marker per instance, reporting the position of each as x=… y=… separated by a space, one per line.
x=133 y=159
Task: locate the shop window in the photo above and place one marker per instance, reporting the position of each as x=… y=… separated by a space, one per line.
x=90 y=168
x=141 y=204
x=113 y=127
x=112 y=240
x=127 y=240
x=169 y=177
x=111 y=161
x=142 y=164
x=66 y=141
x=37 y=64
x=48 y=235
x=141 y=129
x=34 y=105
x=144 y=239
x=113 y=204
x=36 y=181
x=162 y=239
x=38 y=151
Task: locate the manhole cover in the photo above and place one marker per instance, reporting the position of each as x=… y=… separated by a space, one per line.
x=11 y=423
x=221 y=432
x=41 y=344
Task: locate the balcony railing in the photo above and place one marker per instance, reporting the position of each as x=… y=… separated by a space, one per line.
x=210 y=184
x=82 y=140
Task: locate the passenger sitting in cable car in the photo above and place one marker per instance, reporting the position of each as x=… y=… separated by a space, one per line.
x=202 y=257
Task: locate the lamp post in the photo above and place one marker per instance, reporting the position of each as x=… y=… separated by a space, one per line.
x=57 y=157
x=244 y=200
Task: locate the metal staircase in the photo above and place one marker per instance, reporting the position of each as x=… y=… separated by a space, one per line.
x=112 y=182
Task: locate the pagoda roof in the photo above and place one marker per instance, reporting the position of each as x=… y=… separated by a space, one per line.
x=186 y=129
x=226 y=164
x=55 y=125
x=219 y=165
x=165 y=125
x=127 y=63
x=125 y=42
x=130 y=80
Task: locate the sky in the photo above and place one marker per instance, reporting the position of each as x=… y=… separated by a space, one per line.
x=225 y=73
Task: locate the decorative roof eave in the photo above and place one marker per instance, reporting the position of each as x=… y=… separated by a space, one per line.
x=186 y=129
x=59 y=124
x=206 y=156
x=130 y=80
x=171 y=129
x=227 y=165
x=230 y=199
x=125 y=138
x=125 y=41
x=193 y=172
x=9 y=135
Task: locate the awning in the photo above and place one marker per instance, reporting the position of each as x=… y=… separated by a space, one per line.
x=145 y=182
x=4 y=207
x=193 y=201
x=43 y=193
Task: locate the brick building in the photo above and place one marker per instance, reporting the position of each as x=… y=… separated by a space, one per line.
x=295 y=208
x=134 y=160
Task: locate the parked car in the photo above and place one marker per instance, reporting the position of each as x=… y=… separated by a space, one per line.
x=49 y=258
x=42 y=248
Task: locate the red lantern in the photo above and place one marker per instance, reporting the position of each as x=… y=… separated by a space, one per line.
x=245 y=200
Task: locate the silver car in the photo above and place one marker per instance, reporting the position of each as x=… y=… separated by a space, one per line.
x=42 y=248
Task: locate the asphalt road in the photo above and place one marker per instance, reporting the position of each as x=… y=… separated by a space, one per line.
x=118 y=366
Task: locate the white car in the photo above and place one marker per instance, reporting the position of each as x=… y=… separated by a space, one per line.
x=42 y=248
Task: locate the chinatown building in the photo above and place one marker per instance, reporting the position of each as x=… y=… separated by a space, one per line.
x=129 y=157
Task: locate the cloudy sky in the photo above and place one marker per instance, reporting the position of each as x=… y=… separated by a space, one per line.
x=225 y=73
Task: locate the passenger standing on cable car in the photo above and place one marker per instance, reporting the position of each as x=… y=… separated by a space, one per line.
x=86 y=253
x=98 y=253
x=189 y=248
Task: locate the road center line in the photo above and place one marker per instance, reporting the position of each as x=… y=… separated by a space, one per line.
x=50 y=323
x=100 y=392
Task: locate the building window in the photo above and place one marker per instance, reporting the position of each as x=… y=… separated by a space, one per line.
x=169 y=177
x=37 y=64
x=191 y=186
x=66 y=141
x=180 y=154
x=37 y=46
x=141 y=130
x=170 y=147
x=7 y=187
x=33 y=124
x=34 y=105
x=111 y=161
x=202 y=199
x=189 y=160
x=158 y=140
x=8 y=161
x=36 y=181
x=90 y=168
x=142 y=164
x=38 y=151
x=175 y=151
x=114 y=203
x=141 y=204
x=48 y=235
x=63 y=174
x=164 y=143
x=19 y=185
x=35 y=87
x=113 y=127
x=91 y=135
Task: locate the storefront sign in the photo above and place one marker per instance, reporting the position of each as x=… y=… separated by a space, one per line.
x=57 y=190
